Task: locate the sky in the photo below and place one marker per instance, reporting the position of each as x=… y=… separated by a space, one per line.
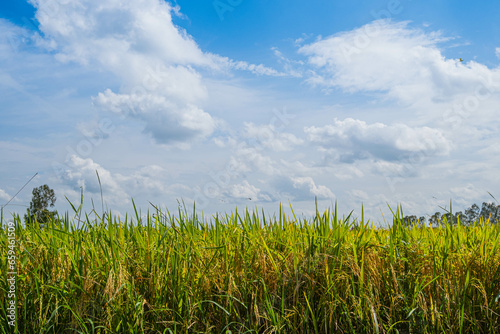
x=248 y=104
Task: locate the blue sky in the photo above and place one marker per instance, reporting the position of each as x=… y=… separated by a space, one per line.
x=251 y=103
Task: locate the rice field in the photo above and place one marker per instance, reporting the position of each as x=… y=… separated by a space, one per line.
x=245 y=272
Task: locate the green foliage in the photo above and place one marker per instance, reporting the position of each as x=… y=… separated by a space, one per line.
x=489 y=212
x=244 y=272
x=38 y=212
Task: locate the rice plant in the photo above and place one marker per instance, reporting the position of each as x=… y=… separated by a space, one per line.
x=245 y=272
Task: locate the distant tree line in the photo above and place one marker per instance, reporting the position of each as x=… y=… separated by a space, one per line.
x=488 y=211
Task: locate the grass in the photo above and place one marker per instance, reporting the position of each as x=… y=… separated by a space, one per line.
x=243 y=272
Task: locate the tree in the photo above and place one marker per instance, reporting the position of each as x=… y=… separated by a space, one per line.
x=410 y=221
x=43 y=198
x=435 y=219
x=487 y=212
x=490 y=212
x=472 y=213
x=458 y=218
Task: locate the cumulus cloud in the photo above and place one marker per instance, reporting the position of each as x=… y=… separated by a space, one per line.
x=116 y=33
x=153 y=59
x=117 y=188
x=157 y=62
x=166 y=121
x=351 y=140
x=391 y=57
x=81 y=172
x=307 y=183
x=244 y=190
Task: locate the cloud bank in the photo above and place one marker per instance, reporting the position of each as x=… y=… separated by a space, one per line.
x=405 y=63
x=153 y=58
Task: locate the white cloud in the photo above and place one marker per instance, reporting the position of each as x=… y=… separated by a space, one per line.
x=497 y=52
x=148 y=181
x=307 y=183
x=394 y=58
x=153 y=58
x=256 y=69
x=116 y=33
x=244 y=190
x=165 y=120
x=157 y=62
x=83 y=173
x=351 y=140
